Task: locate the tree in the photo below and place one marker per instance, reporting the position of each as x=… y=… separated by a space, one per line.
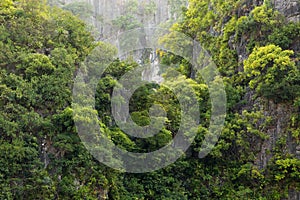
x=273 y=74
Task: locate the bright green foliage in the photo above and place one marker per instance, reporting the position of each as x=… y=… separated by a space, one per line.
x=7 y=8
x=272 y=73
x=35 y=65
x=257 y=26
x=288 y=169
x=263 y=15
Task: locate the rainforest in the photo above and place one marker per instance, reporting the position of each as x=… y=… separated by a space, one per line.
x=49 y=50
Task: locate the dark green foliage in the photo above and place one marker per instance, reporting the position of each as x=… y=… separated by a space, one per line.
x=286 y=36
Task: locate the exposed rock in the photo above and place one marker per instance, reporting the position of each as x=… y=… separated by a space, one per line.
x=293 y=195
x=281 y=115
x=105 y=11
x=151 y=72
x=289 y=8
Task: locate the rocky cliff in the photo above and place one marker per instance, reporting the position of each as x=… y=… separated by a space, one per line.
x=105 y=14
x=281 y=113
x=289 y=8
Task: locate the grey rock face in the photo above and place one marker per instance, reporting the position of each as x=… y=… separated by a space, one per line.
x=289 y=8
x=281 y=114
x=148 y=13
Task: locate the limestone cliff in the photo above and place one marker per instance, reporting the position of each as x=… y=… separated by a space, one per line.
x=289 y=8
x=280 y=112
x=147 y=13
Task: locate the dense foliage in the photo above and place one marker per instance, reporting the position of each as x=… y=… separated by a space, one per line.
x=42 y=157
